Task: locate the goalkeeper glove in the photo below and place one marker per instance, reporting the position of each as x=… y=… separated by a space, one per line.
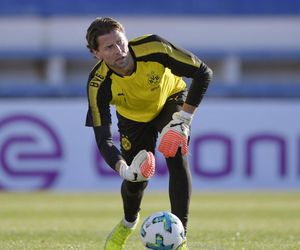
x=175 y=134
x=142 y=167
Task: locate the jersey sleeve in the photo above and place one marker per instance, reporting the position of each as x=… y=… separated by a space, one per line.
x=105 y=144
x=186 y=64
x=99 y=116
x=99 y=97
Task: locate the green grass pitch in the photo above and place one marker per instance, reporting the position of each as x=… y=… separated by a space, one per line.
x=218 y=221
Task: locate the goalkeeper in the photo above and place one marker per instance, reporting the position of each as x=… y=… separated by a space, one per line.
x=143 y=79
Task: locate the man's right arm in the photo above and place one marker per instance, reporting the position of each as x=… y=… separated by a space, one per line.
x=106 y=146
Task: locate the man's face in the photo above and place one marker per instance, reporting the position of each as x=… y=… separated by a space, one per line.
x=113 y=49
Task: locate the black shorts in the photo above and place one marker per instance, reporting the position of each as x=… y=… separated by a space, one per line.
x=135 y=136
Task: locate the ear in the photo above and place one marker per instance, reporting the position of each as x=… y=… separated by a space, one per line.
x=97 y=54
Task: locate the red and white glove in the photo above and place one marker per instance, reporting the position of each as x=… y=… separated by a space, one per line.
x=175 y=134
x=142 y=167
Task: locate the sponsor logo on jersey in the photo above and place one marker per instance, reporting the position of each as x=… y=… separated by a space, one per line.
x=97 y=80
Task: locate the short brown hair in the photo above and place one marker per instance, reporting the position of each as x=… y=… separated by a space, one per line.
x=101 y=26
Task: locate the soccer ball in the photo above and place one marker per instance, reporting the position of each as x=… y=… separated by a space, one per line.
x=162 y=231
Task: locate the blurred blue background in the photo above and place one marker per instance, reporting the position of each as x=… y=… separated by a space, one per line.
x=253 y=46
x=246 y=135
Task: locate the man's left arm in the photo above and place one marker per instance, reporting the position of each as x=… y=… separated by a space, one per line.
x=198 y=88
x=175 y=134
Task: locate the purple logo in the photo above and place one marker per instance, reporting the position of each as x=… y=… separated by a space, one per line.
x=29 y=153
x=226 y=144
x=276 y=140
x=251 y=144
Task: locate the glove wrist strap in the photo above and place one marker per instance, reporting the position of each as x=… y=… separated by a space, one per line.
x=187 y=117
x=123 y=169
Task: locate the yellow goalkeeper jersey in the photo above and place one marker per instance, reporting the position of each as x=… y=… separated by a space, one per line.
x=159 y=68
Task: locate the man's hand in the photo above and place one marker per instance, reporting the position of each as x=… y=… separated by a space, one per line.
x=175 y=134
x=142 y=167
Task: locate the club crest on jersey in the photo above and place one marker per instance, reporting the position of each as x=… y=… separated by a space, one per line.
x=153 y=79
x=126 y=144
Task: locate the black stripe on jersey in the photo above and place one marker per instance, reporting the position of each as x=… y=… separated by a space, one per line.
x=177 y=68
x=160 y=39
x=182 y=69
x=147 y=39
x=155 y=57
